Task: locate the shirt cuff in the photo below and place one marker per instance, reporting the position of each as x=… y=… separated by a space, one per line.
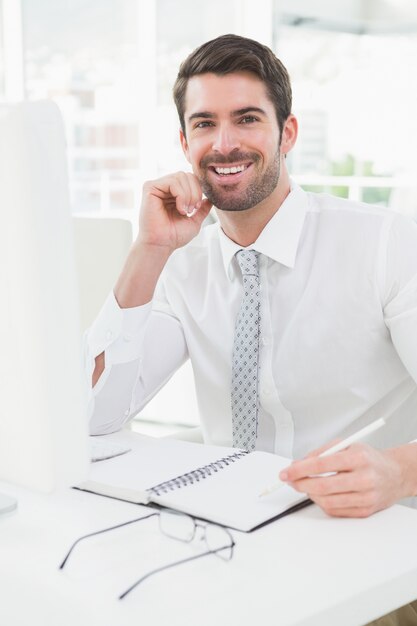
x=118 y=332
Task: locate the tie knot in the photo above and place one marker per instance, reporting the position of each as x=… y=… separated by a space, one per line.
x=248 y=262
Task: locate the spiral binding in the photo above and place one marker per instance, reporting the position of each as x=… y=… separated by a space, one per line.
x=196 y=475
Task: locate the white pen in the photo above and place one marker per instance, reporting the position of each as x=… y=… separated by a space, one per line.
x=342 y=445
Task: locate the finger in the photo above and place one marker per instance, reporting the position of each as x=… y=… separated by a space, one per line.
x=355 y=512
x=338 y=462
x=350 y=500
x=173 y=190
x=358 y=455
x=200 y=213
x=342 y=482
x=191 y=199
x=351 y=512
x=348 y=505
x=185 y=201
x=196 y=193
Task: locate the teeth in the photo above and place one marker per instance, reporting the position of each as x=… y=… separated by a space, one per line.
x=230 y=170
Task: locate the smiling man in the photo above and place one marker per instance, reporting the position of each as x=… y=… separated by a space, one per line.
x=298 y=310
x=236 y=153
x=238 y=167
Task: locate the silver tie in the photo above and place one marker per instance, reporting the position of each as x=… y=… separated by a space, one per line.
x=245 y=355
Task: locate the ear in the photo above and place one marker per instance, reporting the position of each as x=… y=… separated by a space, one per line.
x=184 y=146
x=289 y=134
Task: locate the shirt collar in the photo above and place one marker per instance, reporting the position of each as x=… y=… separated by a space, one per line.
x=280 y=238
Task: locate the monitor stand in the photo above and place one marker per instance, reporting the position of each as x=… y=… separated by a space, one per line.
x=7 y=504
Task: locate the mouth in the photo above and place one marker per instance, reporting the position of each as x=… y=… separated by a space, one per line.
x=229 y=173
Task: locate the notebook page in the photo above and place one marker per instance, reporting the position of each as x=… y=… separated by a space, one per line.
x=150 y=462
x=231 y=496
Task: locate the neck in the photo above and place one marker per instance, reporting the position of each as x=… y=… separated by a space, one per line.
x=244 y=227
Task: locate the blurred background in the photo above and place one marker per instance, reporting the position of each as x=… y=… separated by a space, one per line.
x=110 y=66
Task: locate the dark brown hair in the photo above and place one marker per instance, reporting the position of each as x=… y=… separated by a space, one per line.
x=232 y=53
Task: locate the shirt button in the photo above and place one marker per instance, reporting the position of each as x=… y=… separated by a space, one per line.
x=265 y=341
x=127 y=337
x=109 y=335
x=127 y=412
x=267 y=390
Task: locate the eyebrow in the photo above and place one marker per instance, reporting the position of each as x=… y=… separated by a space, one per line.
x=208 y=115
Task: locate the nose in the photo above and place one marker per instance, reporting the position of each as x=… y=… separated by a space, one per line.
x=226 y=139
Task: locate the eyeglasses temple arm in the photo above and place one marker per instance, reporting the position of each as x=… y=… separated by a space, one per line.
x=99 y=532
x=164 y=567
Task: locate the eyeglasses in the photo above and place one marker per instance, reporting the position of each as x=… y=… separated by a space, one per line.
x=180 y=527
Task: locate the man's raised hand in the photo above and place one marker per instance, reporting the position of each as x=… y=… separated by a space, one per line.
x=172 y=211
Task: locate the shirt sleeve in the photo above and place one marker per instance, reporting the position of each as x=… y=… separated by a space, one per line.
x=143 y=347
x=400 y=290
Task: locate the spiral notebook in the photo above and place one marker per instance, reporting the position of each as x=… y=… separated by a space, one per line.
x=213 y=483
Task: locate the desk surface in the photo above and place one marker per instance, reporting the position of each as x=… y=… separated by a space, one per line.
x=306 y=569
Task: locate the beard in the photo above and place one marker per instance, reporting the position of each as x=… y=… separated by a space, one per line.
x=225 y=198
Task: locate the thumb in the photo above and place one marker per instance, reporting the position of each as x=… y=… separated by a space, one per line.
x=201 y=213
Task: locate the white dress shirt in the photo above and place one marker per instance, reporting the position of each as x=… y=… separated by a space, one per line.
x=338 y=344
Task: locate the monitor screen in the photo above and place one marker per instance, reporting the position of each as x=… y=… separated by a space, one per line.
x=43 y=425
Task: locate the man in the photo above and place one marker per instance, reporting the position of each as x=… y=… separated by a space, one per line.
x=323 y=339
x=337 y=285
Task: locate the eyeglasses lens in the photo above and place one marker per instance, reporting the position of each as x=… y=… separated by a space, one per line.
x=219 y=541
x=177 y=525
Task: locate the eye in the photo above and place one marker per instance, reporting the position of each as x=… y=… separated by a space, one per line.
x=204 y=124
x=248 y=119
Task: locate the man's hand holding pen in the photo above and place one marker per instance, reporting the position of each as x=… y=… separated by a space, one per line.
x=348 y=478
x=363 y=480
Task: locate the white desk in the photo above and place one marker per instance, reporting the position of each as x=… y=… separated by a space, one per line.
x=306 y=569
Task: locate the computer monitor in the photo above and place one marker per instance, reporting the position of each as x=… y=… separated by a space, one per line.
x=43 y=425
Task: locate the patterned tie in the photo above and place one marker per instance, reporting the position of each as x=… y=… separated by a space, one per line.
x=245 y=355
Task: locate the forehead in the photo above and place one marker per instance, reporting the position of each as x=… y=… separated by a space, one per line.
x=224 y=94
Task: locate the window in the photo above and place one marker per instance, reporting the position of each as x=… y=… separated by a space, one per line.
x=84 y=55
x=110 y=66
x=355 y=101
x=2 y=86
x=174 y=43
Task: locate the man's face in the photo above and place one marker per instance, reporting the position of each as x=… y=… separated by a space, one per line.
x=232 y=139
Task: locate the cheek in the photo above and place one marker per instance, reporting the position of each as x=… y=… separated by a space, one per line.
x=264 y=142
x=197 y=149
x=270 y=143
